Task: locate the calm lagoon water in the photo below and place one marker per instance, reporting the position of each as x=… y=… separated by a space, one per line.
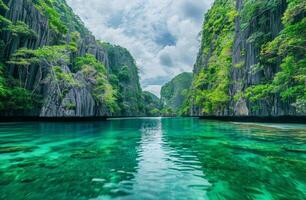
x=152 y=158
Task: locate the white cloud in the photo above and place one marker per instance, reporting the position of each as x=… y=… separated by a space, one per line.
x=162 y=35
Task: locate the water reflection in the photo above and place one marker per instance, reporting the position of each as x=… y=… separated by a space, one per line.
x=162 y=172
x=152 y=158
x=246 y=162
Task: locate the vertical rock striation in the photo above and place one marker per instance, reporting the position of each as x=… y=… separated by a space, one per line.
x=73 y=91
x=250 y=29
x=247 y=52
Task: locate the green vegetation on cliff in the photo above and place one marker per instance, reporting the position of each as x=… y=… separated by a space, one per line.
x=288 y=51
x=252 y=58
x=13 y=94
x=55 y=66
x=61 y=17
x=103 y=91
x=211 y=84
x=152 y=104
x=174 y=94
x=289 y=47
x=15 y=97
x=124 y=78
x=47 y=8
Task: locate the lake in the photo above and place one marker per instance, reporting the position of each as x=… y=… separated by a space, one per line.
x=152 y=158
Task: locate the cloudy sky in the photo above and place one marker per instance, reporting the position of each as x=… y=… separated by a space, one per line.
x=162 y=35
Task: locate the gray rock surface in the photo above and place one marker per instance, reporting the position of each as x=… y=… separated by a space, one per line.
x=246 y=54
x=76 y=100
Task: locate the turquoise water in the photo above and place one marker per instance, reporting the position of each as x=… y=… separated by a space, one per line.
x=152 y=158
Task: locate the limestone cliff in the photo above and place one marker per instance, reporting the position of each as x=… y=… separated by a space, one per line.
x=174 y=93
x=252 y=60
x=51 y=65
x=152 y=105
x=124 y=77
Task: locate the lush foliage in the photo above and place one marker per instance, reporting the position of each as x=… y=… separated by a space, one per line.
x=168 y=112
x=3 y=6
x=103 y=90
x=61 y=17
x=152 y=104
x=105 y=93
x=62 y=77
x=46 y=7
x=13 y=96
x=14 y=93
x=174 y=93
x=290 y=47
x=4 y=23
x=124 y=78
x=47 y=56
x=20 y=29
x=281 y=68
x=74 y=41
x=53 y=57
x=123 y=75
x=254 y=8
x=18 y=98
x=67 y=16
x=211 y=84
x=259 y=92
x=89 y=60
x=3 y=89
x=3 y=20
x=59 y=66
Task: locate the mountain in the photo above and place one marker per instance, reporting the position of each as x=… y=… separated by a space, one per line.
x=51 y=65
x=174 y=93
x=152 y=104
x=252 y=60
x=124 y=78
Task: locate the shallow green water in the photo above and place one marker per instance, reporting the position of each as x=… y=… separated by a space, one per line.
x=152 y=158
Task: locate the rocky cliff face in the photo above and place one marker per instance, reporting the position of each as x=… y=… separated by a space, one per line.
x=174 y=93
x=124 y=76
x=246 y=50
x=152 y=104
x=77 y=83
x=239 y=66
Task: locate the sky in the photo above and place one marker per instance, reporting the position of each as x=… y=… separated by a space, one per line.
x=162 y=35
